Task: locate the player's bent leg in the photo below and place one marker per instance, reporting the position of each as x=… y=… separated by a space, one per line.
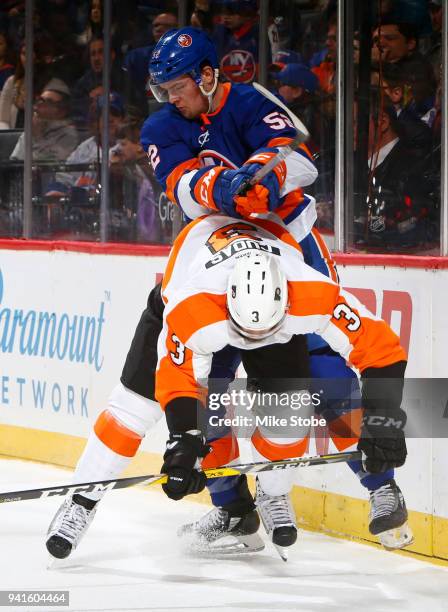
x=388 y=514
x=225 y=446
x=117 y=433
x=114 y=441
x=275 y=370
x=273 y=489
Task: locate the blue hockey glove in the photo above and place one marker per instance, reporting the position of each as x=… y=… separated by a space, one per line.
x=218 y=188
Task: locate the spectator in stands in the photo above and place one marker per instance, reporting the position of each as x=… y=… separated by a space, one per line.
x=83 y=183
x=130 y=158
x=201 y=17
x=162 y=23
x=329 y=52
x=434 y=54
x=283 y=57
x=298 y=86
x=7 y=60
x=57 y=37
x=54 y=136
x=12 y=19
x=396 y=43
x=400 y=93
x=94 y=25
x=90 y=85
x=324 y=67
x=135 y=65
x=401 y=207
x=237 y=39
x=323 y=63
x=12 y=97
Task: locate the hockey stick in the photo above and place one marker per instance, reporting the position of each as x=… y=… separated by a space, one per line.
x=302 y=135
x=122 y=483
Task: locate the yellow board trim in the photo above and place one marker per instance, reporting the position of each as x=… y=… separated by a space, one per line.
x=321 y=511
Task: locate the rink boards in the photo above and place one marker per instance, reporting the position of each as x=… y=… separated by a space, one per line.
x=67 y=315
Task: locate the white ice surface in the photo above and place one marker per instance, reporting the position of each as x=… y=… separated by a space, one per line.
x=131 y=559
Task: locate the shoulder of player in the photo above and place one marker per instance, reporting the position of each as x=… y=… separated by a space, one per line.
x=154 y=129
x=193 y=313
x=247 y=98
x=311 y=293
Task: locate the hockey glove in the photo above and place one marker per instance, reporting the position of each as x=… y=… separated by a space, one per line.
x=217 y=188
x=182 y=452
x=382 y=440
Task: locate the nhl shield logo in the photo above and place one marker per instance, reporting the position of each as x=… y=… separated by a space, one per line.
x=184 y=40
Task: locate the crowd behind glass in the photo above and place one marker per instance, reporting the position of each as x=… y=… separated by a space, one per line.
x=397 y=158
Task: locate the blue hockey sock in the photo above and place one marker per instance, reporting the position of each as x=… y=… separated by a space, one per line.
x=223 y=491
x=370 y=481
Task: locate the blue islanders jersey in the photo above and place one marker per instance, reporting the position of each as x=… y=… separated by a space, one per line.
x=238 y=52
x=244 y=122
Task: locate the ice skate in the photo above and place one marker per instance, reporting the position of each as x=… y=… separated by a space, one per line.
x=388 y=517
x=221 y=532
x=69 y=525
x=278 y=518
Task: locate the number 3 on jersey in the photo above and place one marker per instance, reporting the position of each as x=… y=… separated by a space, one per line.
x=345 y=312
x=178 y=357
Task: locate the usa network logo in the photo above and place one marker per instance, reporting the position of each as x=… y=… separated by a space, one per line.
x=62 y=336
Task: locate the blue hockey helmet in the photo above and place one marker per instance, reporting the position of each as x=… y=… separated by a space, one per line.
x=180 y=52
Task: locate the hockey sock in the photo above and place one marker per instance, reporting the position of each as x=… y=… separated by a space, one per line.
x=109 y=450
x=223 y=491
x=233 y=494
x=370 y=481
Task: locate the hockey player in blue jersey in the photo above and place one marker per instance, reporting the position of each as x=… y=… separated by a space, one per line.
x=220 y=135
x=203 y=145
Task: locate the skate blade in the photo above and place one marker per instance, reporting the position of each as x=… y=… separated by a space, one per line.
x=229 y=545
x=283 y=552
x=397 y=538
x=54 y=563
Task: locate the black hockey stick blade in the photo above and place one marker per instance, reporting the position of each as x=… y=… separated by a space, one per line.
x=220 y=472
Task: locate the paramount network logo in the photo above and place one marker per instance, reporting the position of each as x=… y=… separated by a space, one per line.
x=62 y=336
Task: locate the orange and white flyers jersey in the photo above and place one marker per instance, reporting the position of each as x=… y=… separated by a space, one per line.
x=195 y=316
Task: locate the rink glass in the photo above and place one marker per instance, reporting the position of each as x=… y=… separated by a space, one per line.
x=42 y=195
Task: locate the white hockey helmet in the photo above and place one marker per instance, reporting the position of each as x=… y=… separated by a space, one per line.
x=257 y=296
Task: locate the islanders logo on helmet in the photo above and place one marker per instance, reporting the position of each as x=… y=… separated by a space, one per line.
x=178 y=53
x=184 y=40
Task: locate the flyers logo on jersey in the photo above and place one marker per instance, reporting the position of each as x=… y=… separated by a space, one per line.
x=224 y=236
x=184 y=40
x=233 y=239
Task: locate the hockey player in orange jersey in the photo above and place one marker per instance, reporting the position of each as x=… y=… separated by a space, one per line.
x=253 y=291
x=131 y=411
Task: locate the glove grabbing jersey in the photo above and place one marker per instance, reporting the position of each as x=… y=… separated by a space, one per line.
x=182 y=452
x=217 y=188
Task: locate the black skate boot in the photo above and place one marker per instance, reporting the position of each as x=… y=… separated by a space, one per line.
x=388 y=517
x=229 y=529
x=278 y=519
x=69 y=525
